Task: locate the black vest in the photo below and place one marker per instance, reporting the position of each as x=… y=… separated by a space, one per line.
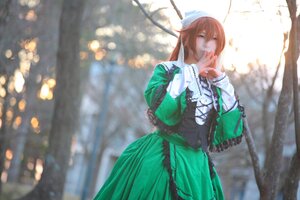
x=195 y=135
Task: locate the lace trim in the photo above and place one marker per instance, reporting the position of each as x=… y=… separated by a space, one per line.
x=226 y=144
x=159 y=124
x=167 y=165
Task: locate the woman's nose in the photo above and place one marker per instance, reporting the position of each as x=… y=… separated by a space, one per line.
x=206 y=44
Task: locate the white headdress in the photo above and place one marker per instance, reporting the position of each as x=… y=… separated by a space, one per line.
x=192 y=16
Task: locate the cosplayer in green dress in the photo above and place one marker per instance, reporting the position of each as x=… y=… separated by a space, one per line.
x=193 y=113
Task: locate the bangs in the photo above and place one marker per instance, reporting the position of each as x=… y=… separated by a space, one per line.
x=211 y=27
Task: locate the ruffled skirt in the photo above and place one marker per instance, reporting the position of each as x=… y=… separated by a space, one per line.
x=139 y=172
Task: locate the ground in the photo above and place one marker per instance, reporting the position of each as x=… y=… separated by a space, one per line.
x=13 y=191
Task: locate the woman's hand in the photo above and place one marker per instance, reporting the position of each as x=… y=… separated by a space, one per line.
x=207 y=66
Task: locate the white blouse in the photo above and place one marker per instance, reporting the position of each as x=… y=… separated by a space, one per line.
x=188 y=77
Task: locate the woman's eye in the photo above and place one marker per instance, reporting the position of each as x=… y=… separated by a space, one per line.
x=215 y=38
x=201 y=35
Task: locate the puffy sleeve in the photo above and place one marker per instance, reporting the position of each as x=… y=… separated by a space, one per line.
x=165 y=93
x=227 y=91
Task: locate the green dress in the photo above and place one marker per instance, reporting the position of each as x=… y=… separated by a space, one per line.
x=149 y=170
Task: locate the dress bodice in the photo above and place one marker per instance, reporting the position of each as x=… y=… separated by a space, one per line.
x=196 y=135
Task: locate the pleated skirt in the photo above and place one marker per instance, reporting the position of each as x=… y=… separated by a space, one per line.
x=139 y=172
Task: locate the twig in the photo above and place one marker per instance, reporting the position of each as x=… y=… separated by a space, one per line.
x=154 y=22
x=156 y=11
x=271 y=87
x=176 y=9
x=229 y=8
x=258 y=2
x=250 y=93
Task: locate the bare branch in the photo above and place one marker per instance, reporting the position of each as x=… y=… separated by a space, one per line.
x=268 y=98
x=258 y=2
x=275 y=158
x=294 y=55
x=229 y=8
x=296 y=94
x=253 y=155
x=292 y=181
x=262 y=76
x=153 y=21
x=156 y=11
x=248 y=87
x=176 y=9
x=271 y=88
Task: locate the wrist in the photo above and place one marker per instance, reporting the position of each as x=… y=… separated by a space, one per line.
x=218 y=74
x=219 y=78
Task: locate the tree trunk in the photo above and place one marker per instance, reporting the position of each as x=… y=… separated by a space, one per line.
x=292 y=179
x=47 y=20
x=254 y=157
x=274 y=160
x=66 y=107
x=4 y=13
x=3 y=138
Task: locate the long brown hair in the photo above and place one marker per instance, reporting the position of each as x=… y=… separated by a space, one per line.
x=189 y=35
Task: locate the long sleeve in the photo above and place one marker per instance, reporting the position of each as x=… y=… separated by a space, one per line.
x=165 y=93
x=228 y=128
x=228 y=95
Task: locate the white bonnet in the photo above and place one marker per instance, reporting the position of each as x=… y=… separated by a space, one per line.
x=193 y=15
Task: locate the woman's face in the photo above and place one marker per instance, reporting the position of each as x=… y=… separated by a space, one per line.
x=203 y=45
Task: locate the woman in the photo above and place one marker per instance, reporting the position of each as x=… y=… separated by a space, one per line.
x=187 y=97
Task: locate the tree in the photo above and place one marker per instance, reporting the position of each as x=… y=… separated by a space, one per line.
x=51 y=184
x=122 y=25
x=293 y=176
x=4 y=13
x=268 y=185
x=47 y=12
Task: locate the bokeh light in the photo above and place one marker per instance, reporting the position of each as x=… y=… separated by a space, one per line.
x=47 y=89
x=94 y=45
x=29 y=3
x=17 y=122
x=31 y=16
x=8 y=53
x=22 y=105
x=9 y=154
x=19 y=81
x=35 y=124
x=12 y=101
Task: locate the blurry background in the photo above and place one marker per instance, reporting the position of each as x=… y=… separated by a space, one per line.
x=118 y=50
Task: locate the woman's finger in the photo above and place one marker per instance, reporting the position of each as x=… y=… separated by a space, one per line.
x=210 y=72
